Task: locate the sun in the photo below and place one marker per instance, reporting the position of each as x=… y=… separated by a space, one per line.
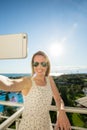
x=56 y=49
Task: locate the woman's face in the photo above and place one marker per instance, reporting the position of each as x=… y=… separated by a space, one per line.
x=40 y=65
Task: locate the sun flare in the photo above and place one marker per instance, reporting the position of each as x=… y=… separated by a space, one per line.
x=56 y=49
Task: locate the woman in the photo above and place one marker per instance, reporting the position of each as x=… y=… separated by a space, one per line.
x=38 y=91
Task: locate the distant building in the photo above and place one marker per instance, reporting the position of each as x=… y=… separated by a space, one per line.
x=85 y=90
x=82 y=101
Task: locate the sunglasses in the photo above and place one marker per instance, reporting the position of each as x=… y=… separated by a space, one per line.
x=43 y=64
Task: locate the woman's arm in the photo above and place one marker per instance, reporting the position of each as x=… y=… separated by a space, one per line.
x=56 y=95
x=13 y=85
x=62 y=119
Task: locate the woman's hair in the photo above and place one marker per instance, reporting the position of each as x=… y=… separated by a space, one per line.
x=45 y=56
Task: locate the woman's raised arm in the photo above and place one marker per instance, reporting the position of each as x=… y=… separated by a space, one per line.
x=13 y=85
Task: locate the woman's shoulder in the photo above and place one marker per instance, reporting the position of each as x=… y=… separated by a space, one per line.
x=51 y=80
x=27 y=80
x=27 y=86
x=50 y=77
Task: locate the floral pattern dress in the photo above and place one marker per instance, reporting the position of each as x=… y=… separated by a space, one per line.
x=36 y=108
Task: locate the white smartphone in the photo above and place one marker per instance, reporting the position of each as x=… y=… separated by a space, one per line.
x=13 y=46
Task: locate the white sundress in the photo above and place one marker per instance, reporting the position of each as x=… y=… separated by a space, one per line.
x=36 y=108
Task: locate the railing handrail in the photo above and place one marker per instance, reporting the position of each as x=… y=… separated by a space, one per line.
x=14 y=117
x=52 y=107
x=11 y=119
x=9 y=103
x=71 y=109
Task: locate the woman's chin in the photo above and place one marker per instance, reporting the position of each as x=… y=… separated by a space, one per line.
x=40 y=74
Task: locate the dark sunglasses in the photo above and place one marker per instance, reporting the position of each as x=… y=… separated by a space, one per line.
x=43 y=64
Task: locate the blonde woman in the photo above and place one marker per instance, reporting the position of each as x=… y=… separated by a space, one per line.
x=38 y=91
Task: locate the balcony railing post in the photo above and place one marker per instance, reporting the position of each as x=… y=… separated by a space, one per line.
x=17 y=123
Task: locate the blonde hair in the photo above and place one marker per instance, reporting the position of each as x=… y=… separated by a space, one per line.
x=45 y=56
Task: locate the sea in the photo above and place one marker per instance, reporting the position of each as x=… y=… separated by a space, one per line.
x=13 y=75
x=11 y=96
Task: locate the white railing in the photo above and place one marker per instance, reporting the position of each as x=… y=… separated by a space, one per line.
x=11 y=119
x=16 y=115
x=72 y=110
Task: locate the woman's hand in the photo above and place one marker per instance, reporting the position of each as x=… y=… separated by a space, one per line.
x=62 y=121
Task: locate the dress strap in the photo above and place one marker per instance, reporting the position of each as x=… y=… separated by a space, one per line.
x=33 y=82
x=48 y=81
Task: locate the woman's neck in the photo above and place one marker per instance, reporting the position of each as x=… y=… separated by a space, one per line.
x=40 y=80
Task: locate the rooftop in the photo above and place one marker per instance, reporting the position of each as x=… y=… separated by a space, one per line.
x=82 y=101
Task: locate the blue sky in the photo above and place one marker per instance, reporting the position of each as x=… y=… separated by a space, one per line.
x=58 y=27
